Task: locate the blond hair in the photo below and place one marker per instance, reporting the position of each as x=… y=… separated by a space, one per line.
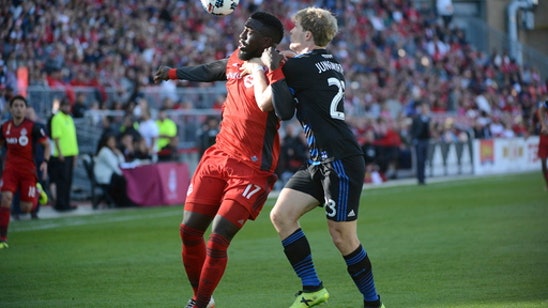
x=320 y=22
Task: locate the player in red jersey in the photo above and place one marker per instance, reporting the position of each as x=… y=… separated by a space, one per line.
x=542 y=120
x=19 y=135
x=236 y=174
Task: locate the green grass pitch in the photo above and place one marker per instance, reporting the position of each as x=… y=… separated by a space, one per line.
x=480 y=242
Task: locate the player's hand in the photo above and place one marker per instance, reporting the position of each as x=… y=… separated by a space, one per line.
x=161 y=74
x=250 y=66
x=271 y=58
x=544 y=129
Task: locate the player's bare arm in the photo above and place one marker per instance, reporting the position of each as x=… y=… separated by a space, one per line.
x=263 y=94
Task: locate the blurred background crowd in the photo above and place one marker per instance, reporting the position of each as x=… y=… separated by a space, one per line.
x=395 y=54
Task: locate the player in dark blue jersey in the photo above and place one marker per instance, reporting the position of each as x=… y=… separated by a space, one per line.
x=334 y=175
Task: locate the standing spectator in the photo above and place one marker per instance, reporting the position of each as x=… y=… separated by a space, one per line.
x=19 y=136
x=209 y=132
x=334 y=177
x=148 y=129
x=234 y=176
x=65 y=154
x=79 y=109
x=293 y=153
x=167 y=136
x=445 y=10
x=420 y=135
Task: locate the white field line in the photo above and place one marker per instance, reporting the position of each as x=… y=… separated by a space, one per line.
x=84 y=220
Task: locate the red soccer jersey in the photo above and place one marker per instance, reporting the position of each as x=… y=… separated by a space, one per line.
x=247 y=132
x=19 y=141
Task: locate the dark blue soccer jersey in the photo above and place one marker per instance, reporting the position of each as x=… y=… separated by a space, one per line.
x=319 y=91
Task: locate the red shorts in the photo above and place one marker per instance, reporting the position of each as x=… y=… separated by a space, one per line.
x=221 y=181
x=543 y=146
x=24 y=182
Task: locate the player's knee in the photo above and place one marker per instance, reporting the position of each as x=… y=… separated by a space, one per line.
x=6 y=200
x=272 y=216
x=26 y=207
x=190 y=236
x=344 y=240
x=276 y=218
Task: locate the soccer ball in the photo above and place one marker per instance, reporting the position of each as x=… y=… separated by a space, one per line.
x=220 y=7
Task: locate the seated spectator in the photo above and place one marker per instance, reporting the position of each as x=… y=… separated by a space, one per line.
x=127 y=147
x=141 y=151
x=107 y=170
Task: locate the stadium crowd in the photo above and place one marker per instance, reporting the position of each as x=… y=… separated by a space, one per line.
x=394 y=55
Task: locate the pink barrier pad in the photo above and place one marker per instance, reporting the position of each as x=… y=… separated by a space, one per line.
x=157 y=184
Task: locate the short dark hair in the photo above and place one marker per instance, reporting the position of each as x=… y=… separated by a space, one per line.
x=19 y=97
x=274 y=25
x=64 y=101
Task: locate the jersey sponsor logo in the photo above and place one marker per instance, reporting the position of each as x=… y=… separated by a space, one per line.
x=12 y=140
x=233 y=75
x=352 y=213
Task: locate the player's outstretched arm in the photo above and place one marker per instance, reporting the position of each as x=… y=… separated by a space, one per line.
x=213 y=71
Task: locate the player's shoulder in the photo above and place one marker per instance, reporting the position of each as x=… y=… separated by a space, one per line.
x=6 y=122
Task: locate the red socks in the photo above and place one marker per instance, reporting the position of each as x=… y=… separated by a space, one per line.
x=214 y=268
x=4 y=222
x=193 y=253
x=203 y=271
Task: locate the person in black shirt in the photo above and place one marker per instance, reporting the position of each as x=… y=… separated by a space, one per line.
x=209 y=132
x=335 y=171
x=420 y=135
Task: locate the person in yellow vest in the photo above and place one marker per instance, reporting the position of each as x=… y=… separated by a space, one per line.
x=167 y=138
x=65 y=154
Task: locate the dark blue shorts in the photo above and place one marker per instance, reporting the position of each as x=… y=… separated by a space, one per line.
x=337 y=185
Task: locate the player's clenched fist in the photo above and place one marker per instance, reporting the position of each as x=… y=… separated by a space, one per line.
x=161 y=74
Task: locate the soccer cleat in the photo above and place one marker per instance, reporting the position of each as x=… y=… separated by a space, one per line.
x=42 y=196
x=192 y=303
x=4 y=244
x=381 y=306
x=310 y=299
x=375 y=304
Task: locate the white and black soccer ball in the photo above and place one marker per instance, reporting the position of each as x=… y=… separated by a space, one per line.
x=220 y=7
